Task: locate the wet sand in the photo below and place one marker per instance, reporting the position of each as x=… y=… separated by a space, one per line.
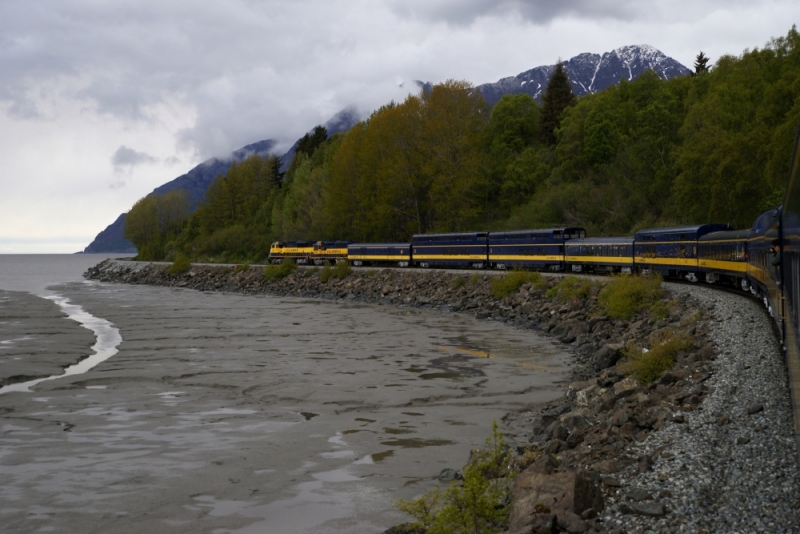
x=230 y=413
x=37 y=339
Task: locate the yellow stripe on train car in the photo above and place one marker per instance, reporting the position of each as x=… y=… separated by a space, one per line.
x=723 y=265
x=368 y=257
x=762 y=275
x=683 y=262
x=481 y=257
x=549 y=257
x=600 y=259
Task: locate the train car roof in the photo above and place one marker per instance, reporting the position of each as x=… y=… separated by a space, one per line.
x=701 y=229
x=566 y=229
x=767 y=220
x=729 y=235
x=450 y=234
x=601 y=241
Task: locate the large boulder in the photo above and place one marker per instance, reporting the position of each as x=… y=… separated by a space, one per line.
x=537 y=493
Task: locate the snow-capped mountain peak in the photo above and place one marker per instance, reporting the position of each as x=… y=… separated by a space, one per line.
x=589 y=73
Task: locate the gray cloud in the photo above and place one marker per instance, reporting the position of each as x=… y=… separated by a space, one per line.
x=127 y=158
x=250 y=70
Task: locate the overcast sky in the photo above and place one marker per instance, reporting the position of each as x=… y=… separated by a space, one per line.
x=101 y=101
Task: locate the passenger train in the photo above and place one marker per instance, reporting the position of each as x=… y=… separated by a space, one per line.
x=763 y=260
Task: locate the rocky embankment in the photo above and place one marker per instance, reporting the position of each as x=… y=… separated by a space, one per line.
x=707 y=447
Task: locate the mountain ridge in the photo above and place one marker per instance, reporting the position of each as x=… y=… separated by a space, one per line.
x=588 y=73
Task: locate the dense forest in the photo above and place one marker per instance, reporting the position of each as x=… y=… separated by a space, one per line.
x=712 y=147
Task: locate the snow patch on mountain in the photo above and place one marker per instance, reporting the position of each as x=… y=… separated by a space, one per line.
x=589 y=73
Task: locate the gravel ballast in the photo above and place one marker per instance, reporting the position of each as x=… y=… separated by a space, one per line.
x=732 y=465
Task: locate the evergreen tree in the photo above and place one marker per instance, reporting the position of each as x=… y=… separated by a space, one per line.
x=701 y=64
x=309 y=143
x=556 y=99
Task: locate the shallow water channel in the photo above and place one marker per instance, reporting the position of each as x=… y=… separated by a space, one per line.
x=230 y=413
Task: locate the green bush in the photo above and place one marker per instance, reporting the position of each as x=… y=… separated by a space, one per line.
x=572 y=287
x=180 y=265
x=326 y=273
x=627 y=294
x=280 y=270
x=503 y=286
x=242 y=268
x=477 y=505
x=648 y=366
x=342 y=270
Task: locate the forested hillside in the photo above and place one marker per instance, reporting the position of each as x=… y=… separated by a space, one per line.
x=713 y=147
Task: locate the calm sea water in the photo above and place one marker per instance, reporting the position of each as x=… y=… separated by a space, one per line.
x=215 y=412
x=33 y=273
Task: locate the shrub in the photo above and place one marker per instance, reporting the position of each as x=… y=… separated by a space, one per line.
x=458 y=282
x=503 y=286
x=479 y=504
x=627 y=294
x=572 y=287
x=326 y=273
x=280 y=270
x=242 y=268
x=342 y=270
x=180 y=265
x=310 y=272
x=648 y=366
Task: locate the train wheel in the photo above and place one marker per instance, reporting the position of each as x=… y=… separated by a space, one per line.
x=743 y=284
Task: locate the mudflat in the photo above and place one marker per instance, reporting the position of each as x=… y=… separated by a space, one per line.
x=231 y=413
x=37 y=338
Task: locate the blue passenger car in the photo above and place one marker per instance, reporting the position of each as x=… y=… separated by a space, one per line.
x=672 y=252
x=466 y=249
x=531 y=249
x=600 y=254
x=789 y=276
x=722 y=257
x=764 y=277
x=398 y=254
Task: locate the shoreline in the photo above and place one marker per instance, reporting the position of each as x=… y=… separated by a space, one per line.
x=27 y=321
x=606 y=426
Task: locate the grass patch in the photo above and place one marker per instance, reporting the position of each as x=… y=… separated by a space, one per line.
x=339 y=271
x=572 y=287
x=478 y=504
x=310 y=272
x=648 y=366
x=474 y=279
x=458 y=282
x=692 y=318
x=180 y=265
x=371 y=273
x=503 y=286
x=280 y=270
x=627 y=294
x=242 y=268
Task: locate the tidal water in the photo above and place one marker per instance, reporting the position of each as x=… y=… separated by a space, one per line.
x=254 y=414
